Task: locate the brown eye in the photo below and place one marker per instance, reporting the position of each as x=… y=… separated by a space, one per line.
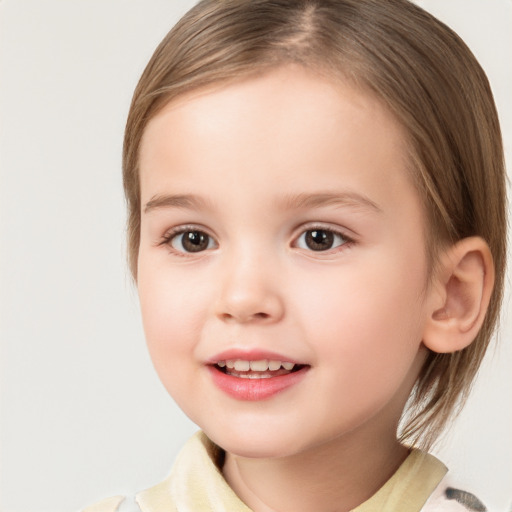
x=320 y=240
x=192 y=241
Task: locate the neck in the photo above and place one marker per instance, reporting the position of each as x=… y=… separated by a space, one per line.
x=336 y=476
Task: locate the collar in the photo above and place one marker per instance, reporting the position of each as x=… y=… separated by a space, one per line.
x=196 y=484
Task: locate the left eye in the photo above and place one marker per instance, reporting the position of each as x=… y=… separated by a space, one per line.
x=320 y=240
x=192 y=241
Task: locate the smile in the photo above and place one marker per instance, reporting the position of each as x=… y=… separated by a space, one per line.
x=255 y=379
x=262 y=368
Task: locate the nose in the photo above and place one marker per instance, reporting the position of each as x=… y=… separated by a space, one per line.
x=250 y=292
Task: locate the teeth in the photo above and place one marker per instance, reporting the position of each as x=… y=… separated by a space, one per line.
x=251 y=375
x=242 y=366
x=274 y=365
x=261 y=365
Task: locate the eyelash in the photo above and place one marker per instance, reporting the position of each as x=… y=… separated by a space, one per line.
x=168 y=238
x=346 y=241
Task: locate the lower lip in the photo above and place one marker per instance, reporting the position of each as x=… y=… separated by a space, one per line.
x=255 y=389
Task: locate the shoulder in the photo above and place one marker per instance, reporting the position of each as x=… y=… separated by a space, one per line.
x=115 y=504
x=195 y=483
x=185 y=482
x=451 y=496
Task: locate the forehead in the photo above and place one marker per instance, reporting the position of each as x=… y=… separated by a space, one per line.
x=285 y=120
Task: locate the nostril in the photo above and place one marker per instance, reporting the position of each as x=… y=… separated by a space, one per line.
x=245 y=318
x=249 y=308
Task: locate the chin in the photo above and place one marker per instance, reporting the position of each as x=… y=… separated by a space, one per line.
x=253 y=450
x=255 y=442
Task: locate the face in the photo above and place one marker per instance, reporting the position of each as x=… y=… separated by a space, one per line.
x=282 y=267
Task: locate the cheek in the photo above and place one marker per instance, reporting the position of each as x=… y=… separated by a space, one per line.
x=366 y=343
x=173 y=305
x=370 y=320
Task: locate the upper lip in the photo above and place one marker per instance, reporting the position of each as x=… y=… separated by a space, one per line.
x=250 y=355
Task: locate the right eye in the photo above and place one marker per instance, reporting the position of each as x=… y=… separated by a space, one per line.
x=191 y=241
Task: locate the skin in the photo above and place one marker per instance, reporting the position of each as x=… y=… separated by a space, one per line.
x=355 y=313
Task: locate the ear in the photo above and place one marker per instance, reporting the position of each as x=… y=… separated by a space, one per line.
x=459 y=295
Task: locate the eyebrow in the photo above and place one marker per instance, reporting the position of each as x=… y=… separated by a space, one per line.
x=293 y=201
x=342 y=199
x=185 y=201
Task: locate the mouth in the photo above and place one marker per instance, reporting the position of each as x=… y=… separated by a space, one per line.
x=257 y=369
x=255 y=379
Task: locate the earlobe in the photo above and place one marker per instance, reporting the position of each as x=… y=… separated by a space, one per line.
x=460 y=295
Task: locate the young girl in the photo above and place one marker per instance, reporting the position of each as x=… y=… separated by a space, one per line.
x=317 y=222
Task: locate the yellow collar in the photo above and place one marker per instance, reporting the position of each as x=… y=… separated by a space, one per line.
x=197 y=485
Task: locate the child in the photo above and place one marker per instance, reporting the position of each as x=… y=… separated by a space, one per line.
x=317 y=231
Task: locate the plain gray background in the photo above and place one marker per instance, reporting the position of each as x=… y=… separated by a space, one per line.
x=83 y=415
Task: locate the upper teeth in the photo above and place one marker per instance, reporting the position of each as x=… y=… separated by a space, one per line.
x=262 y=365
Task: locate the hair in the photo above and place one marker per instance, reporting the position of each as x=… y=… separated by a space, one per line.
x=427 y=78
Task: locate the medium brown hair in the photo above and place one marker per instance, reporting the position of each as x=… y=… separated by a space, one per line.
x=425 y=75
